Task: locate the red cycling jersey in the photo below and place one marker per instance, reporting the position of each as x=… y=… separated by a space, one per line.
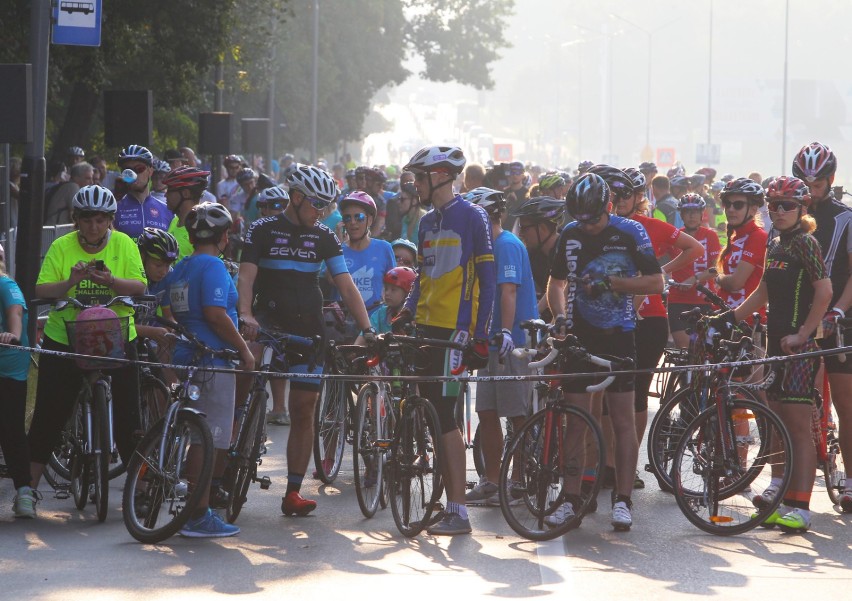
x=663 y=236
x=747 y=243
x=710 y=241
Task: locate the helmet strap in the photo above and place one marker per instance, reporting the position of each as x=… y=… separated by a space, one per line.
x=428 y=201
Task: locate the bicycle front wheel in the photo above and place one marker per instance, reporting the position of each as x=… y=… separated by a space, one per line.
x=165 y=478
x=242 y=467
x=101 y=450
x=550 y=472
x=713 y=486
x=665 y=432
x=833 y=468
x=153 y=399
x=329 y=435
x=370 y=445
x=415 y=483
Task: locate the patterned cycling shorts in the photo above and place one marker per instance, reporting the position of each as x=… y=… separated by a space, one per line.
x=794 y=379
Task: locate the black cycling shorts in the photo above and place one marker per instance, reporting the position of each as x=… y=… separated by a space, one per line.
x=613 y=344
x=833 y=364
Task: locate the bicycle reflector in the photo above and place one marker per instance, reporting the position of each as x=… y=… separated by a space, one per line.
x=373 y=361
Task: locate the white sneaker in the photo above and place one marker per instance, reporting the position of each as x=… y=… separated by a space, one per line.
x=25 y=502
x=562 y=514
x=481 y=492
x=621 y=518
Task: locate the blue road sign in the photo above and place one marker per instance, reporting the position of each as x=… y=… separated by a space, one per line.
x=77 y=23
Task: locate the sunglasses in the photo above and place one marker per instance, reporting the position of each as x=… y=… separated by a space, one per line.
x=738 y=205
x=420 y=176
x=359 y=217
x=403 y=261
x=318 y=203
x=786 y=205
x=138 y=169
x=269 y=205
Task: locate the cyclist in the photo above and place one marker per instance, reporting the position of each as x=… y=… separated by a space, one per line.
x=452 y=298
x=397 y=284
x=797 y=288
x=14 y=367
x=816 y=164
x=553 y=185
x=272 y=201
x=516 y=192
x=158 y=188
x=405 y=252
x=185 y=188
x=514 y=303
x=201 y=296
x=93 y=263
x=279 y=287
x=410 y=212
x=374 y=181
x=602 y=261
x=651 y=334
x=138 y=209
x=241 y=199
x=228 y=187
x=684 y=297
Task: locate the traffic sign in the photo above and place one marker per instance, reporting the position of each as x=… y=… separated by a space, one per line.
x=77 y=23
x=503 y=153
x=708 y=154
x=665 y=157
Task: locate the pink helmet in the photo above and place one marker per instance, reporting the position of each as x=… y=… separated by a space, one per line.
x=362 y=200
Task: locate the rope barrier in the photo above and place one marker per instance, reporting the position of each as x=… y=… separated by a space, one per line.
x=460 y=378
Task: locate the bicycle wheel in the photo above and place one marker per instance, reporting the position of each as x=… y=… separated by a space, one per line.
x=416 y=484
x=329 y=435
x=157 y=500
x=369 y=446
x=552 y=459
x=154 y=397
x=79 y=477
x=72 y=433
x=833 y=468
x=101 y=450
x=714 y=493
x=665 y=432
x=242 y=466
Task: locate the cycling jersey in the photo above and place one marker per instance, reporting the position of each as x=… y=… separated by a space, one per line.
x=14 y=364
x=181 y=234
x=120 y=255
x=793 y=263
x=131 y=216
x=540 y=263
x=663 y=236
x=368 y=268
x=288 y=258
x=621 y=249
x=513 y=267
x=380 y=320
x=710 y=241
x=834 y=235
x=455 y=287
x=747 y=243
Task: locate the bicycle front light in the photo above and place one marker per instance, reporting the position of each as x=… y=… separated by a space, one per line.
x=193 y=392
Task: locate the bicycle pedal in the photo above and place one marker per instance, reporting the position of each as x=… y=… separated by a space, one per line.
x=264 y=482
x=62 y=493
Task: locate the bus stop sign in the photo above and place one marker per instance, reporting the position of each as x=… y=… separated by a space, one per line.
x=77 y=23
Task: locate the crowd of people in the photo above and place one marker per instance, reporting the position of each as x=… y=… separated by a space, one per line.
x=465 y=251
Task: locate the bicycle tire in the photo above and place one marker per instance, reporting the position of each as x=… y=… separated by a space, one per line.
x=154 y=397
x=834 y=468
x=60 y=458
x=368 y=456
x=79 y=478
x=101 y=450
x=243 y=464
x=329 y=435
x=529 y=492
x=665 y=432
x=416 y=483
x=156 y=504
x=708 y=495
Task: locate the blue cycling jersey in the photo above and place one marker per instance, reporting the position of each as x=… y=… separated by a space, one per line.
x=132 y=217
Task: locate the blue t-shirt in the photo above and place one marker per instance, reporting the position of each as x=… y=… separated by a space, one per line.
x=513 y=267
x=332 y=220
x=14 y=364
x=196 y=282
x=379 y=320
x=368 y=268
x=131 y=216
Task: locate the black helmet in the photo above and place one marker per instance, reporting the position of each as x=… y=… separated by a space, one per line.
x=637 y=177
x=747 y=187
x=587 y=198
x=541 y=208
x=617 y=181
x=158 y=244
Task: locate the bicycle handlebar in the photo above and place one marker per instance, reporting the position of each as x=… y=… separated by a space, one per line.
x=60 y=304
x=187 y=336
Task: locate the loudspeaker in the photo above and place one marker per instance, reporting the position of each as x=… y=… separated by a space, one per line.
x=128 y=117
x=16 y=104
x=214 y=133
x=255 y=136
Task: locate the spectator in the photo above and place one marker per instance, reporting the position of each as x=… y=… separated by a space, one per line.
x=666 y=207
x=516 y=193
x=14 y=189
x=174 y=158
x=474 y=177
x=57 y=202
x=228 y=187
x=74 y=155
x=189 y=157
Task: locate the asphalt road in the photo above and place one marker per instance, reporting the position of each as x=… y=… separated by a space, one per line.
x=66 y=554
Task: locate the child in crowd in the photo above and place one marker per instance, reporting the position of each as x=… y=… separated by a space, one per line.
x=397 y=285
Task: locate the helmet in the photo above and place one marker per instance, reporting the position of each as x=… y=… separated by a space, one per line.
x=789 y=187
x=313 y=182
x=375 y=173
x=208 y=220
x=550 y=181
x=487 y=198
x=542 y=208
x=746 y=187
x=158 y=244
x=676 y=169
x=727 y=177
x=76 y=151
x=350 y=173
x=245 y=174
x=587 y=198
x=814 y=161
x=707 y=172
x=431 y=158
x=94 y=199
x=361 y=200
x=186 y=177
x=648 y=167
x=232 y=158
x=696 y=179
x=135 y=152
x=274 y=197
x=691 y=201
x=161 y=166
x=406 y=243
x=637 y=177
x=616 y=179
x=679 y=180
x=401 y=276
x=585 y=166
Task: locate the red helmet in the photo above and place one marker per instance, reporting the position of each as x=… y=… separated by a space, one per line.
x=789 y=187
x=401 y=276
x=814 y=161
x=186 y=177
x=360 y=199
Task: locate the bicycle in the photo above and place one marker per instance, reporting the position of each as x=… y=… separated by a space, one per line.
x=556 y=456
x=248 y=447
x=169 y=469
x=730 y=446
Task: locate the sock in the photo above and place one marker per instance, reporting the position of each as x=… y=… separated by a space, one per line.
x=457 y=508
x=294 y=482
x=776 y=482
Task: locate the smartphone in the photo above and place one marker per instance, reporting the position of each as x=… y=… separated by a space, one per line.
x=99 y=265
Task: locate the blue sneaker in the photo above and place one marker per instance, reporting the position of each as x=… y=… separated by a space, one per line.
x=209 y=525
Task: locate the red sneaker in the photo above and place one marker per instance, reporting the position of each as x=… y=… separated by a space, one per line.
x=294 y=503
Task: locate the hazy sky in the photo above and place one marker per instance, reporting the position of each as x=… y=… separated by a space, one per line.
x=575 y=83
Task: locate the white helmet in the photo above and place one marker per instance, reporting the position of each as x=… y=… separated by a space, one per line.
x=94 y=199
x=430 y=158
x=313 y=182
x=274 y=195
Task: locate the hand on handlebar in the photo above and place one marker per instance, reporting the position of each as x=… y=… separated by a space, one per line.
x=9 y=338
x=829 y=322
x=560 y=326
x=476 y=355
x=249 y=327
x=504 y=343
x=722 y=320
